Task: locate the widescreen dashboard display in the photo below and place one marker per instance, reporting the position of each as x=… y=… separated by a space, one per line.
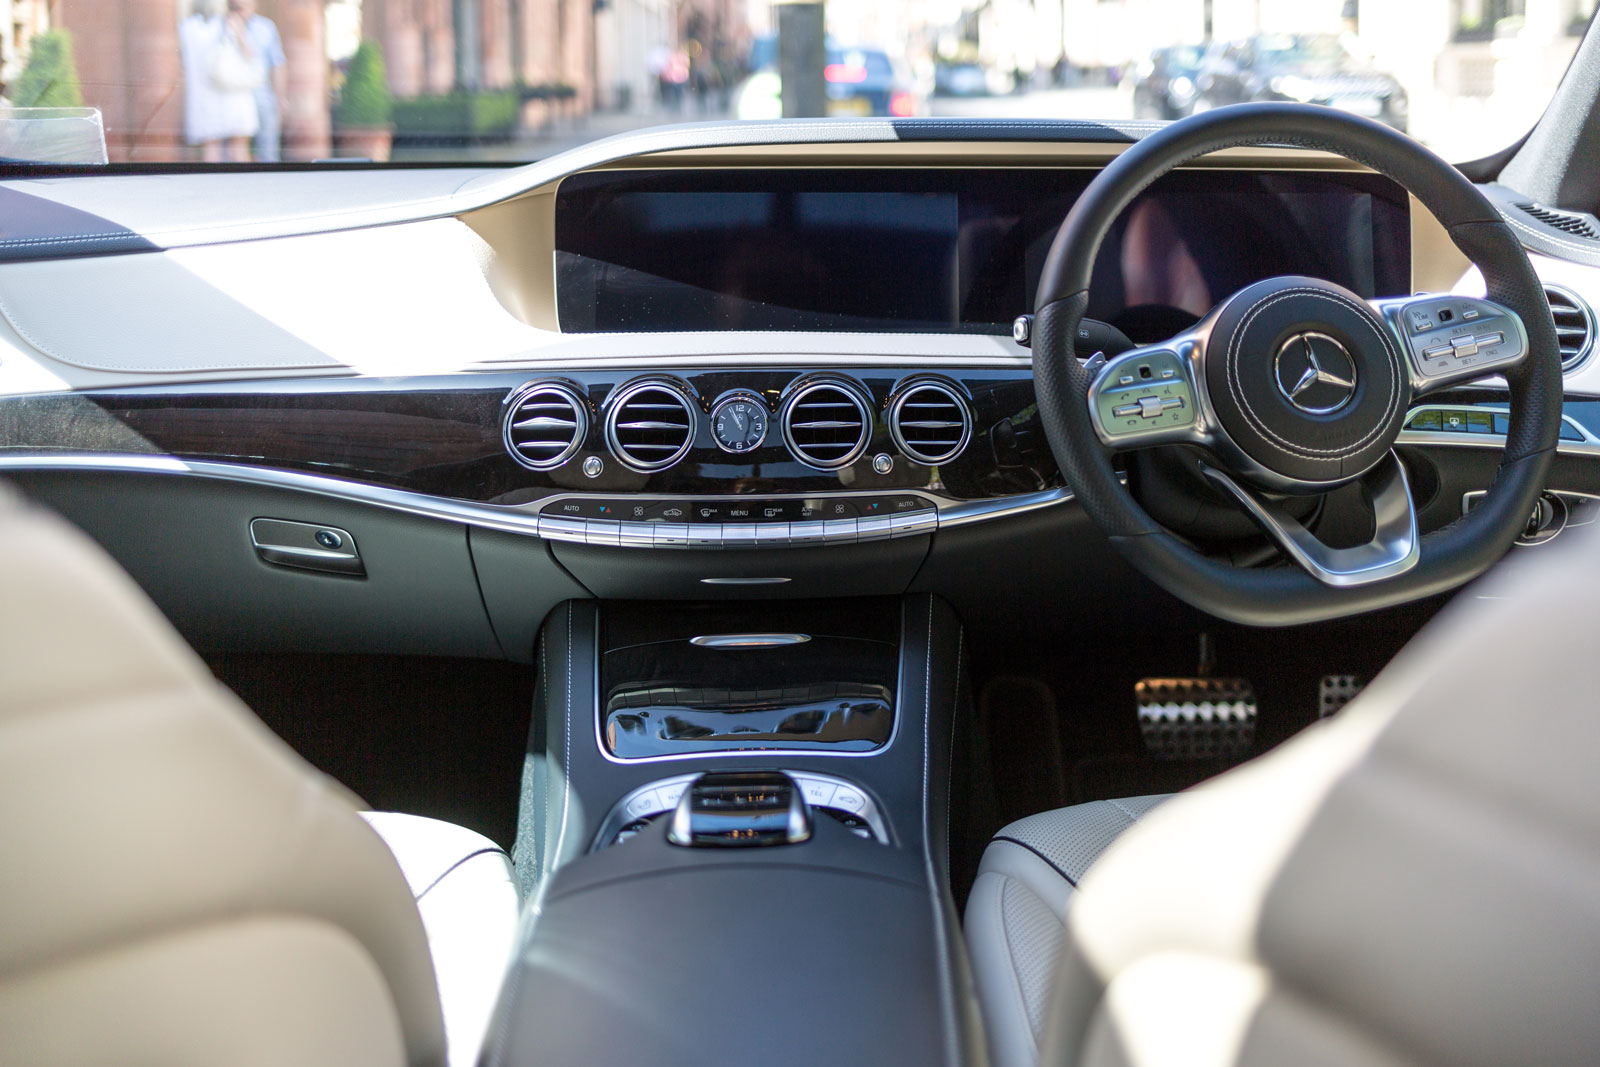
x=946 y=251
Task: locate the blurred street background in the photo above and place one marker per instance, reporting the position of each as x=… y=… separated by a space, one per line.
x=443 y=80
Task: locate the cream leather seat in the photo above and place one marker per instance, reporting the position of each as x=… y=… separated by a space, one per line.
x=1415 y=881
x=176 y=885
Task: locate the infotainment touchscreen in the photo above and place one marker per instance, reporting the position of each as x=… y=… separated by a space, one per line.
x=948 y=250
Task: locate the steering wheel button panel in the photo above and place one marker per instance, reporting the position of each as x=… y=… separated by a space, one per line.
x=1141 y=394
x=1454 y=338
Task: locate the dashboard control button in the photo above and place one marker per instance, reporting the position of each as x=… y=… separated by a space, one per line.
x=561 y=529
x=873 y=529
x=841 y=530
x=902 y=504
x=602 y=533
x=739 y=534
x=1453 y=421
x=704 y=535
x=806 y=533
x=847 y=799
x=1480 y=422
x=707 y=511
x=1424 y=420
x=670 y=534
x=810 y=509
x=593 y=467
x=883 y=463
x=839 y=509
x=772 y=534
x=646 y=803
x=913 y=523
x=741 y=511
x=670 y=511
x=635 y=534
x=818 y=793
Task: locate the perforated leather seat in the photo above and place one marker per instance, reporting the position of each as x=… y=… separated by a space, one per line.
x=1016 y=914
x=179 y=887
x=1414 y=881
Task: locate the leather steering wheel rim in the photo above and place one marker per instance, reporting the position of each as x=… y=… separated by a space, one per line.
x=1288 y=595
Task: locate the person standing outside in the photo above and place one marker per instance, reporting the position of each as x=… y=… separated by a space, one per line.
x=262 y=33
x=222 y=73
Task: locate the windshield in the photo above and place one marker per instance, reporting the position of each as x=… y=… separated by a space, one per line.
x=469 y=81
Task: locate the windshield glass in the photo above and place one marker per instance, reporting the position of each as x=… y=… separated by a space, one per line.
x=440 y=81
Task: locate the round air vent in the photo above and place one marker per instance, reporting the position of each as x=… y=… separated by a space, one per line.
x=826 y=425
x=545 y=423
x=649 y=425
x=929 y=422
x=1574 y=325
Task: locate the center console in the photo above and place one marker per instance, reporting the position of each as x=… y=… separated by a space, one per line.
x=734 y=832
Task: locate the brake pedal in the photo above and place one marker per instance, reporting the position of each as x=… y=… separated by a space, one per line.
x=1337 y=690
x=1196 y=718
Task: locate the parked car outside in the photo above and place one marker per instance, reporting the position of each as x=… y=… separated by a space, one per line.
x=1165 y=85
x=1313 y=68
x=861 y=82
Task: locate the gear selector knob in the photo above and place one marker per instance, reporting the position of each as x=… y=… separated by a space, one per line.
x=732 y=809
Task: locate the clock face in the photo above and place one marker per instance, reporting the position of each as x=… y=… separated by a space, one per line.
x=739 y=423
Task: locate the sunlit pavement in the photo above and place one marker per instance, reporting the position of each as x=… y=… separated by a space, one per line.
x=1089 y=103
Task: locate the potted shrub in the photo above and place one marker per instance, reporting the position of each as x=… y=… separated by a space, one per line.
x=362 y=125
x=50 y=79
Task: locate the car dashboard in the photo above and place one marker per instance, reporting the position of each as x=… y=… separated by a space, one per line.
x=764 y=361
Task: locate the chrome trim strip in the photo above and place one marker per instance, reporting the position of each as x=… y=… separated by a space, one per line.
x=745 y=581
x=737 y=642
x=1394 y=549
x=526 y=519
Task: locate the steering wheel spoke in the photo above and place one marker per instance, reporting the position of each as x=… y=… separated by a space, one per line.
x=1452 y=339
x=1150 y=396
x=1395 y=546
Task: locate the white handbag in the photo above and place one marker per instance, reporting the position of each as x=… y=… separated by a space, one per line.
x=233 y=70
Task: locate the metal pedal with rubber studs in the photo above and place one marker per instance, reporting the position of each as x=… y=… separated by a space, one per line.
x=1196 y=718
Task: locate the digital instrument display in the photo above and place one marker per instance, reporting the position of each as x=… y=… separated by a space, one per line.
x=933 y=250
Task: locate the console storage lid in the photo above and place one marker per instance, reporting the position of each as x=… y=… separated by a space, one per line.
x=646 y=952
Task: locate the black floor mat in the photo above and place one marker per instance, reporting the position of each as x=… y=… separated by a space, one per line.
x=1087 y=698
x=436 y=737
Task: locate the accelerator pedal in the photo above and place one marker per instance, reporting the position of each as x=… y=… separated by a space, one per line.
x=1337 y=690
x=1196 y=718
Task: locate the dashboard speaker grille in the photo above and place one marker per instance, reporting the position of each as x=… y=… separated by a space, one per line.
x=826 y=425
x=1574 y=325
x=545 y=423
x=929 y=422
x=1565 y=221
x=650 y=426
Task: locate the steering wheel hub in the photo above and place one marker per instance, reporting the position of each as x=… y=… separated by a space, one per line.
x=1306 y=380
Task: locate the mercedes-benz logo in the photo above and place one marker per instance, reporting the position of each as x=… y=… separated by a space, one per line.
x=1315 y=373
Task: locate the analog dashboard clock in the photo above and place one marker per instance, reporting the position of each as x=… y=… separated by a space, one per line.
x=739 y=422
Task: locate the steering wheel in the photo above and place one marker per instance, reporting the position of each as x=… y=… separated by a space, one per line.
x=1295 y=385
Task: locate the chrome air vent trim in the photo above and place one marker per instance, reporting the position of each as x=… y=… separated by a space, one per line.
x=930 y=422
x=650 y=424
x=1575 y=325
x=826 y=424
x=545 y=423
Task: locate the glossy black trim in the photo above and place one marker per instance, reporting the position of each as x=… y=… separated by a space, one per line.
x=442 y=435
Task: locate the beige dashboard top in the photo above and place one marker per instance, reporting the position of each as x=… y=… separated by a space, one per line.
x=470 y=291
